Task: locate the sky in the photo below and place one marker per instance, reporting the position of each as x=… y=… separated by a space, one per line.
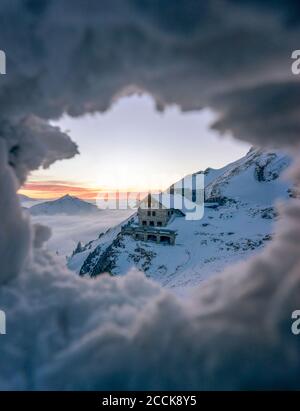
x=133 y=147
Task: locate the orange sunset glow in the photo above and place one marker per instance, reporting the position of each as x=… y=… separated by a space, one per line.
x=51 y=190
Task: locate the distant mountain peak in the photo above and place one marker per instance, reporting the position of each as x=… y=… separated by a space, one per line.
x=69 y=196
x=66 y=204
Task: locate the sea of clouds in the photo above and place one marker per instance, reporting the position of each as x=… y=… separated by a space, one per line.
x=68 y=230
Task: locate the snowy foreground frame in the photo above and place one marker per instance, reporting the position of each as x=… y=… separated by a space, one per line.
x=2 y=323
x=2 y=62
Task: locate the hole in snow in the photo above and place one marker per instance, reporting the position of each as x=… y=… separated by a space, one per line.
x=135 y=148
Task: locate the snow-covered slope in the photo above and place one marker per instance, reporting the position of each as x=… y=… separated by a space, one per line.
x=253 y=179
x=241 y=224
x=65 y=205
